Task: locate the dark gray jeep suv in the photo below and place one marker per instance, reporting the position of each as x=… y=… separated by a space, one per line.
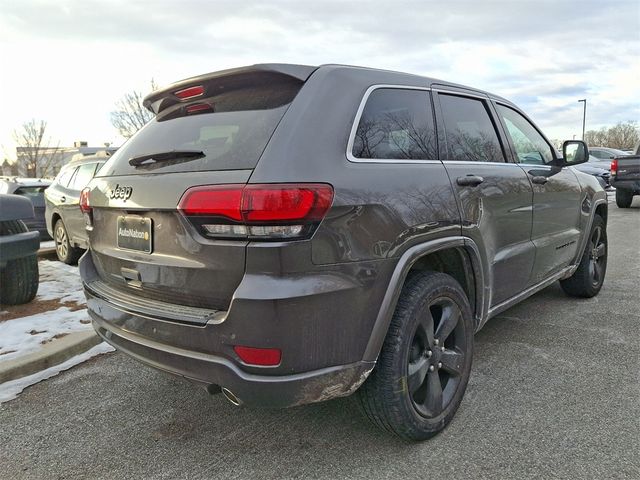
x=288 y=234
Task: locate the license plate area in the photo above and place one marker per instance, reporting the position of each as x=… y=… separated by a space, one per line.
x=135 y=233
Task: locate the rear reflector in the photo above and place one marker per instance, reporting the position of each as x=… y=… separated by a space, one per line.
x=267 y=211
x=190 y=92
x=265 y=357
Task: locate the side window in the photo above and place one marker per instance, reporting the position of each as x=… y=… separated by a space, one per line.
x=74 y=174
x=530 y=146
x=98 y=167
x=396 y=124
x=83 y=177
x=470 y=133
x=596 y=153
x=64 y=176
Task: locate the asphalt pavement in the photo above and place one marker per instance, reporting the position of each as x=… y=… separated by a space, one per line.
x=554 y=393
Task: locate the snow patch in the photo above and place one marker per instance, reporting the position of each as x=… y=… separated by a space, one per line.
x=21 y=336
x=59 y=280
x=25 y=335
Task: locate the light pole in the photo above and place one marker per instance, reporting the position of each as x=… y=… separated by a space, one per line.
x=584 y=115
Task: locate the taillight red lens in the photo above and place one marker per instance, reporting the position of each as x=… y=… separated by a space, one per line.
x=262 y=211
x=213 y=201
x=265 y=357
x=614 y=166
x=268 y=203
x=85 y=207
x=190 y=92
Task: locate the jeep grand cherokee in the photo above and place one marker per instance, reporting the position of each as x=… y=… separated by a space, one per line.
x=288 y=234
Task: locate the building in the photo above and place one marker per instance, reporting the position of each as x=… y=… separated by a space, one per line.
x=51 y=159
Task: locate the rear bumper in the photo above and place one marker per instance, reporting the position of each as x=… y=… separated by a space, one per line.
x=18 y=246
x=321 y=338
x=633 y=185
x=215 y=371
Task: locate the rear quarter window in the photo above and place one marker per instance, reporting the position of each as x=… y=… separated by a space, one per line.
x=396 y=124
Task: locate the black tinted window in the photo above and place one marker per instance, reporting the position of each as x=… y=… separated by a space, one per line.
x=396 y=124
x=232 y=132
x=470 y=133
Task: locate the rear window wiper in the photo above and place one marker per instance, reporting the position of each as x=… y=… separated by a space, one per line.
x=152 y=158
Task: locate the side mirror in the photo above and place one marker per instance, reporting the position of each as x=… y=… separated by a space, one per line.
x=574 y=152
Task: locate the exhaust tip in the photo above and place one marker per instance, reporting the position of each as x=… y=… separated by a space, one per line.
x=231 y=397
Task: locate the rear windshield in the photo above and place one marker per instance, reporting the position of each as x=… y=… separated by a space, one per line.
x=231 y=138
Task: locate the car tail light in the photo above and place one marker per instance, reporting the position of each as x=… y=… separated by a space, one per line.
x=258 y=211
x=85 y=206
x=614 y=166
x=84 y=200
x=264 y=357
x=190 y=92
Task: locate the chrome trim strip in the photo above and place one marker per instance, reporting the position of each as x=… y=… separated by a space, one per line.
x=461 y=94
x=356 y=122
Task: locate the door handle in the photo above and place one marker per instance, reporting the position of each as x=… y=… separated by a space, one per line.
x=539 y=179
x=63 y=199
x=469 y=181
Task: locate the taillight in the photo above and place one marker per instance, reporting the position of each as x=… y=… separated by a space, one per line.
x=84 y=200
x=259 y=211
x=614 y=166
x=85 y=207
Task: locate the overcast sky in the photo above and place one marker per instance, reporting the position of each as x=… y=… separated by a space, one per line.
x=69 y=61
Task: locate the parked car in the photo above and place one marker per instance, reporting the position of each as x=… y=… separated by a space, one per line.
x=33 y=189
x=602 y=174
x=18 y=251
x=288 y=234
x=606 y=154
x=64 y=220
x=625 y=176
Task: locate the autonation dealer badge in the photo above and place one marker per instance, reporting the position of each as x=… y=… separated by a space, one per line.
x=134 y=233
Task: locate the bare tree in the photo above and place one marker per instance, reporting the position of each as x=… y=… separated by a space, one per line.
x=622 y=136
x=36 y=157
x=130 y=114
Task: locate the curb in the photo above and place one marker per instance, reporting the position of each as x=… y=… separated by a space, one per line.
x=49 y=253
x=54 y=353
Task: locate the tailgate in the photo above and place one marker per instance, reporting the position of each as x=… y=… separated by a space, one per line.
x=182 y=267
x=628 y=168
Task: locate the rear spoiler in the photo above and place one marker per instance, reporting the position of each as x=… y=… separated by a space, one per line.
x=231 y=79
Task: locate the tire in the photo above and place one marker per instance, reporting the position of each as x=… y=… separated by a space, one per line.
x=18 y=278
x=623 y=198
x=587 y=280
x=418 y=383
x=64 y=250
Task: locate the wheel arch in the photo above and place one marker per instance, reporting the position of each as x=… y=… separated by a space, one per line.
x=598 y=206
x=457 y=256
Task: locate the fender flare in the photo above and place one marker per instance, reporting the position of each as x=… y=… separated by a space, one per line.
x=406 y=261
x=585 y=235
